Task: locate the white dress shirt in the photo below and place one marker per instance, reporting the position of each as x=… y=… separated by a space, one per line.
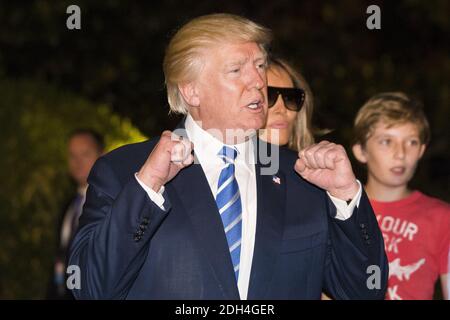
x=70 y=220
x=206 y=149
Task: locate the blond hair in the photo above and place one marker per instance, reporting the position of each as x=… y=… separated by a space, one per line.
x=183 y=57
x=302 y=135
x=392 y=108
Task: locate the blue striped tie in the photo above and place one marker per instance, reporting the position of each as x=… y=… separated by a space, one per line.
x=228 y=201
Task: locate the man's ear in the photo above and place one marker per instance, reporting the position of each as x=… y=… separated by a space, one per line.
x=359 y=153
x=190 y=94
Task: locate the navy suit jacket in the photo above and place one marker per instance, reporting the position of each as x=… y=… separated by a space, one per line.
x=128 y=248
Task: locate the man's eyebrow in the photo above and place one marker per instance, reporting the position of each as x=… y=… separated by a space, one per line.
x=234 y=62
x=242 y=61
x=261 y=58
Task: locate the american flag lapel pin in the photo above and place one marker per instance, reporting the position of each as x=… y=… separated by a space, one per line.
x=276 y=180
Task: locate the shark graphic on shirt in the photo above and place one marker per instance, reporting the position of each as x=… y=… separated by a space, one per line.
x=396 y=269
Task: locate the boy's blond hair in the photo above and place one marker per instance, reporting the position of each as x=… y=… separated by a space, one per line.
x=393 y=108
x=184 y=54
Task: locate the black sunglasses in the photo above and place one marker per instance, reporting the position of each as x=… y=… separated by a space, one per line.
x=293 y=98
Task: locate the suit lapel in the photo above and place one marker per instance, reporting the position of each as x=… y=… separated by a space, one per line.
x=271 y=193
x=192 y=188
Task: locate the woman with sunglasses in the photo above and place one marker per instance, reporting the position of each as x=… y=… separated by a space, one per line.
x=290 y=104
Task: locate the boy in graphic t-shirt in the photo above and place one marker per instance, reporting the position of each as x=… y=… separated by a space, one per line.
x=391 y=134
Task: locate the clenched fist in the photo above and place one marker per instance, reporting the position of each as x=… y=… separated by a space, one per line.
x=327 y=166
x=171 y=154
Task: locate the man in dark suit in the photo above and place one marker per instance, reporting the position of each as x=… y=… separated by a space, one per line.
x=84 y=146
x=240 y=222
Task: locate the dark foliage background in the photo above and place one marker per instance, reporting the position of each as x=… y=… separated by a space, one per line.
x=115 y=60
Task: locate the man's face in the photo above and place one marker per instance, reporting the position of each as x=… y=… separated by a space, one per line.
x=82 y=154
x=392 y=154
x=232 y=88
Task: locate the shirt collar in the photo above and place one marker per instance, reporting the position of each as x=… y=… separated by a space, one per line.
x=81 y=190
x=206 y=146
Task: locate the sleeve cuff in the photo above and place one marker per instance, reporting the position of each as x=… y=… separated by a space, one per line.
x=156 y=197
x=344 y=210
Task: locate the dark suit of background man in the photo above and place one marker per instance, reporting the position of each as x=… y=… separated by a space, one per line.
x=156 y=226
x=84 y=146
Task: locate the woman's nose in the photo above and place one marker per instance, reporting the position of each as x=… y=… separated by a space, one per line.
x=279 y=106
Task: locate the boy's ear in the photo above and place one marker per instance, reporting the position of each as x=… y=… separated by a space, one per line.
x=358 y=152
x=423 y=147
x=190 y=94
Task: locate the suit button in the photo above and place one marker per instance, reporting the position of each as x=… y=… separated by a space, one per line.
x=145 y=221
x=364 y=231
x=140 y=233
x=137 y=238
x=142 y=227
x=366 y=236
x=368 y=241
x=362 y=225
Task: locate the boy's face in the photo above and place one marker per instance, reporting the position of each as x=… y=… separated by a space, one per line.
x=391 y=154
